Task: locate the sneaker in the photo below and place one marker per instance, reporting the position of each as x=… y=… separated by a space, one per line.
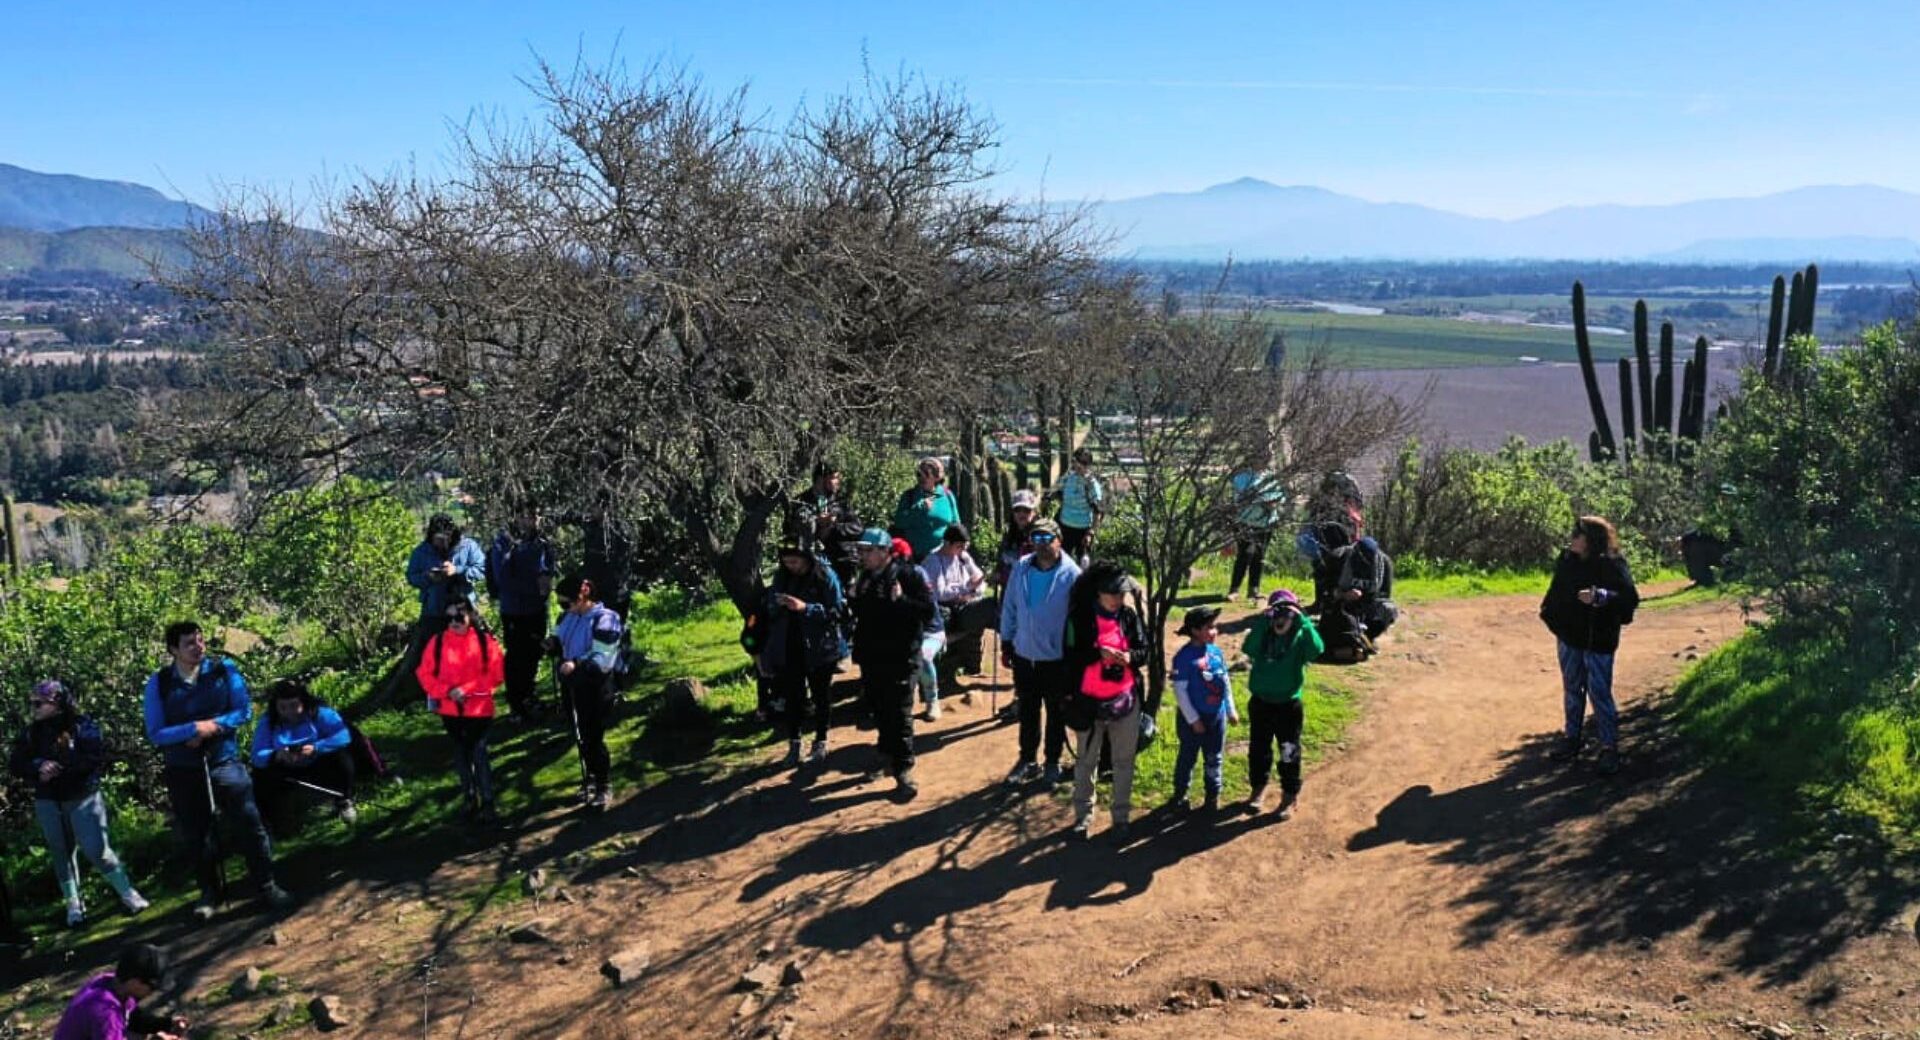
x=203 y=911
x=1010 y=713
x=588 y=796
x=1023 y=773
x=1284 y=810
x=76 y=914
x=1609 y=762
x=819 y=753
x=793 y=754
x=346 y=812
x=1257 y=800
x=1053 y=775
x=904 y=786
x=487 y=816
x=1212 y=804
x=1083 y=827
x=601 y=796
x=933 y=710
x=134 y=901
x=1118 y=832
x=967 y=697
x=274 y=896
x=1178 y=803
x=1566 y=751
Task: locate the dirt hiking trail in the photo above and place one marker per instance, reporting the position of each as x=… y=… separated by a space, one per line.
x=1440 y=878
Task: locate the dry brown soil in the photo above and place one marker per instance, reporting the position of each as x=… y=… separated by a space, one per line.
x=1441 y=877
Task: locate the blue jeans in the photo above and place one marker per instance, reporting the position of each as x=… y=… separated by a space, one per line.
x=1213 y=742
x=1588 y=676
x=81 y=822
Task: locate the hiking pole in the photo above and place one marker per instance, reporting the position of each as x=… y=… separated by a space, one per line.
x=328 y=791
x=573 y=713
x=213 y=831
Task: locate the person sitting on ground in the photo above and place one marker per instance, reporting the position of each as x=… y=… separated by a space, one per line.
x=520 y=570
x=1033 y=624
x=300 y=746
x=1204 y=694
x=108 y=1006
x=926 y=509
x=461 y=669
x=587 y=644
x=802 y=645
x=1591 y=596
x=1082 y=502
x=892 y=606
x=1360 y=607
x=193 y=708
x=965 y=614
x=59 y=755
x=1278 y=648
x=1106 y=644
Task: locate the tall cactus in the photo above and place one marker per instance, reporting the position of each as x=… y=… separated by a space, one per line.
x=12 y=539
x=1663 y=383
x=1644 y=356
x=1626 y=405
x=1776 y=314
x=1601 y=445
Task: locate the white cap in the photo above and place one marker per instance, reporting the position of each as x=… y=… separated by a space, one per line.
x=1023 y=499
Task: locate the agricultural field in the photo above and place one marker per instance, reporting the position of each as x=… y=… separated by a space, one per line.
x=1400 y=341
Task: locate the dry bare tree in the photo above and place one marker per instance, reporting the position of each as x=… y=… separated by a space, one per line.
x=650 y=308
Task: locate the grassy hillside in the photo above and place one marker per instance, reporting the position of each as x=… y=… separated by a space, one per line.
x=123 y=252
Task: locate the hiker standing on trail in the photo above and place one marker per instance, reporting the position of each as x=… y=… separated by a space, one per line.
x=108 y=1006
x=965 y=614
x=1082 y=502
x=1016 y=542
x=926 y=509
x=460 y=670
x=1278 y=649
x=59 y=755
x=1591 y=596
x=300 y=745
x=1106 y=643
x=1258 y=499
x=892 y=606
x=194 y=706
x=822 y=522
x=587 y=645
x=445 y=566
x=802 y=645
x=1204 y=694
x=519 y=570
x=1033 y=625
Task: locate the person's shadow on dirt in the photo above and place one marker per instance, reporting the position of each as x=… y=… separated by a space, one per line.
x=1656 y=851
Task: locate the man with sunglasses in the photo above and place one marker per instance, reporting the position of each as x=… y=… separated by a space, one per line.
x=1033 y=623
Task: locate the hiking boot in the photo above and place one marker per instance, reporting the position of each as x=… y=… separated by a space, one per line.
x=1609 y=762
x=818 y=755
x=601 y=796
x=904 y=786
x=133 y=901
x=76 y=914
x=203 y=911
x=1053 y=775
x=345 y=812
x=1023 y=773
x=487 y=816
x=1284 y=811
x=1010 y=713
x=274 y=896
x=1212 y=804
x=1567 y=751
x=1256 y=801
x=793 y=754
x=1083 y=827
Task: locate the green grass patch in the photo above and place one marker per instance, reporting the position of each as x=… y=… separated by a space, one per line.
x=1405 y=341
x=1810 y=723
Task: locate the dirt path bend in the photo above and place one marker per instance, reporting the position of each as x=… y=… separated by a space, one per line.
x=1441 y=877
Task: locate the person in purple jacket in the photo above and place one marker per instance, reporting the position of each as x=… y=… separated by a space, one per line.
x=108 y=1006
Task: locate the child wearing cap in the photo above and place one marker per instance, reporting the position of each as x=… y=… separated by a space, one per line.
x=1278 y=651
x=1205 y=697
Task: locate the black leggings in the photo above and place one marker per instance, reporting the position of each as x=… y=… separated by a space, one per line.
x=1249 y=560
x=588 y=695
x=794 y=687
x=470 y=759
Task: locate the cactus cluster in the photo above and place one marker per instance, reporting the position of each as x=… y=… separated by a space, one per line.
x=1659 y=427
x=8 y=539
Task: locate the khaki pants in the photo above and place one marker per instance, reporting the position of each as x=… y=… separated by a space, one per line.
x=1122 y=735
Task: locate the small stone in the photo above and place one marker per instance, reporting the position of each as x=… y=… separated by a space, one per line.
x=793 y=974
x=531 y=932
x=247 y=984
x=749 y=1006
x=630 y=871
x=628 y=965
x=768 y=950
x=1778 y=1031
x=1214 y=987
x=328 y=1012
x=1044 y=1030
x=1682 y=998
x=684 y=697
x=1280 y=1000
x=761 y=976
x=274 y=984
x=281 y=1014
x=273 y=938
x=1243 y=994
x=1417 y=1014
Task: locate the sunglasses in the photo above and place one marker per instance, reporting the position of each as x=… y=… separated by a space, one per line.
x=37 y=701
x=1042 y=538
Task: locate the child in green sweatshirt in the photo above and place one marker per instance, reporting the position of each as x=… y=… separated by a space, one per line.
x=1278 y=650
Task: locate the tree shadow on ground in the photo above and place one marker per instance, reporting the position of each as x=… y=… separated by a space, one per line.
x=1664 y=847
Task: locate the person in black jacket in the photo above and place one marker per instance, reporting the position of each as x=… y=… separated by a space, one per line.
x=821 y=521
x=1591 y=596
x=1106 y=645
x=891 y=604
x=803 y=644
x=60 y=756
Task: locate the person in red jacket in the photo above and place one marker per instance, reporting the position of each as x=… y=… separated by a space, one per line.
x=460 y=668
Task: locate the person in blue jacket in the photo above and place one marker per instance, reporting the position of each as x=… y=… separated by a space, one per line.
x=520 y=570
x=301 y=746
x=587 y=646
x=445 y=566
x=1033 y=628
x=193 y=707
x=803 y=644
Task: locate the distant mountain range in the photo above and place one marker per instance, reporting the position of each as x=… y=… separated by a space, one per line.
x=1252 y=219
x=61 y=202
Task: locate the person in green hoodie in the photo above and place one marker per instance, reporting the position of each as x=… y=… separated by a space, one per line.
x=1278 y=650
x=926 y=509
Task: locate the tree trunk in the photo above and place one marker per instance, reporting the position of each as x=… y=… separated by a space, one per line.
x=740 y=570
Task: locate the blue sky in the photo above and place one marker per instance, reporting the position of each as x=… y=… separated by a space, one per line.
x=1497 y=109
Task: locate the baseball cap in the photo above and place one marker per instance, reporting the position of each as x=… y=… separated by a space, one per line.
x=877 y=538
x=1044 y=525
x=1023 y=499
x=1199 y=617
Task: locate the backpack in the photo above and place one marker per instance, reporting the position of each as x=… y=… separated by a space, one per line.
x=367 y=760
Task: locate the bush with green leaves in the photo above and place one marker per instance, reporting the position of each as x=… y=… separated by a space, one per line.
x=1512 y=508
x=335 y=558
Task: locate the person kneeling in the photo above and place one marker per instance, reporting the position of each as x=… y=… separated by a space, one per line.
x=301 y=745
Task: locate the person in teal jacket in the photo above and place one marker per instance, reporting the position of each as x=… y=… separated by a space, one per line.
x=1278 y=650
x=926 y=509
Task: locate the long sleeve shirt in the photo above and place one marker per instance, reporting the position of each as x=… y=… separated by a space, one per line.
x=80 y=755
x=469 y=569
x=171 y=706
x=1201 y=686
x=1033 y=610
x=473 y=662
x=592 y=638
x=952 y=577
x=324 y=729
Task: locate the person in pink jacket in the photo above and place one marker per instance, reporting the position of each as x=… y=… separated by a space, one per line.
x=460 y=669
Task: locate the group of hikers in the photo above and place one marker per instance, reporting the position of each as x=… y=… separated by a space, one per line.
x=909 y=603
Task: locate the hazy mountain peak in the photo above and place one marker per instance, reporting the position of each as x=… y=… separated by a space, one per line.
x=61 y=201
